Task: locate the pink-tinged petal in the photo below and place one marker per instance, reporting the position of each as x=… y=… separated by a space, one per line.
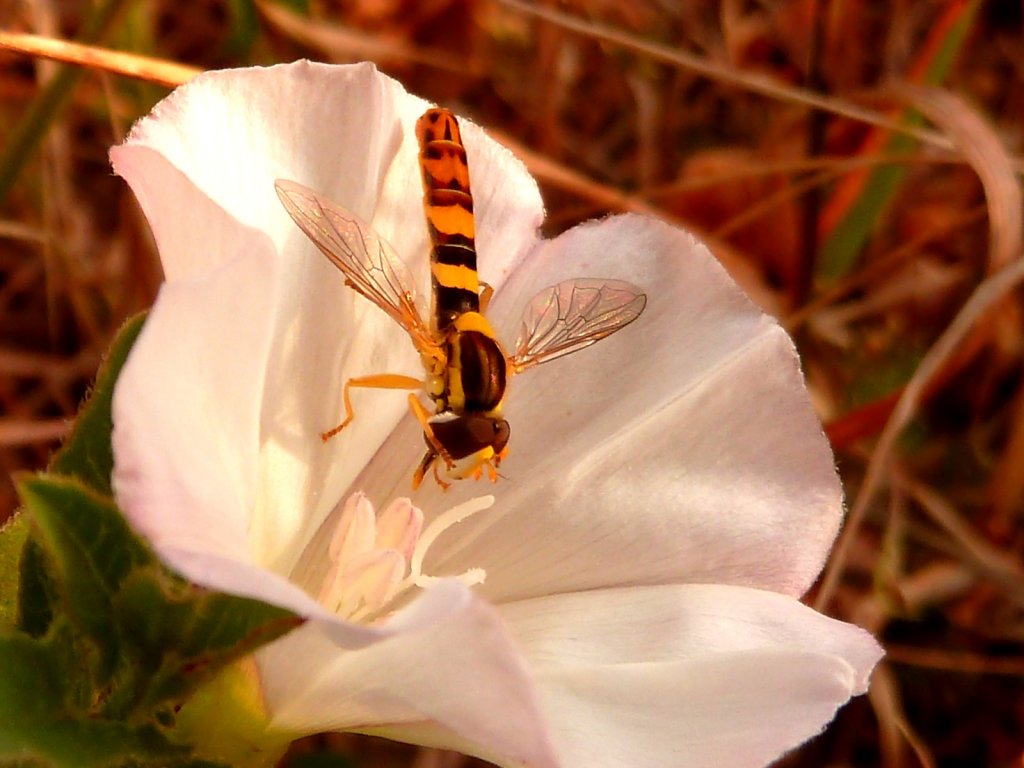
x=701 y=675
x=236 y=576
x=447 y=666
x=681 y=622
x=740 y=713
x=186 y=409
x=683 y=448
x=231 y=133
x=194 y=234
x=345 y=131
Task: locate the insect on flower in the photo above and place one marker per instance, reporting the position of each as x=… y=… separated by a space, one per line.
x=466 y=369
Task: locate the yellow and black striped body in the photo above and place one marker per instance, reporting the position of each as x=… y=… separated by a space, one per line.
x=468 y=386
x=448 y=203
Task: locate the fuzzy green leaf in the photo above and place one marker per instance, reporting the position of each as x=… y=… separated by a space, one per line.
x=37 y=593
x=13 y=535
x=87 y=453
x=44 y=719
x=157 y=636
x=92 y=550
x=33 y=677
x=182 y=635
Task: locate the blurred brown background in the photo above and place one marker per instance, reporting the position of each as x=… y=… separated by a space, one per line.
x=758 y=125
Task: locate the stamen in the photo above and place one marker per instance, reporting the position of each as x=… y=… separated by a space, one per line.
x=438 y=526
x=356 y=528
x=371 y=581
x=371 y=555
x=399 y=527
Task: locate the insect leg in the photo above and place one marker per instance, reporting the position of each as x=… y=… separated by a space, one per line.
x=424 y=419
x=377 y=381
x=421 y=471
x=444 y=486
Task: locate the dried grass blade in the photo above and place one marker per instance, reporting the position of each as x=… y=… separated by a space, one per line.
x=979 y=144
x=167 y=73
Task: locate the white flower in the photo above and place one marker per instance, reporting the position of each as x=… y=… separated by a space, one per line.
x=667 y=497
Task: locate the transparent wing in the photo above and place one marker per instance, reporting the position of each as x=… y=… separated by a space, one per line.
x=369 y=264
x=572 y=315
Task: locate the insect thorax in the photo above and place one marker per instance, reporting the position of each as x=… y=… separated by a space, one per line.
x=472 y=376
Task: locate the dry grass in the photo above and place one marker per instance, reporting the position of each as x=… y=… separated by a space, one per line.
x=755 y=124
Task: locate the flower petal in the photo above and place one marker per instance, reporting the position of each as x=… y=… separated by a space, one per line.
x=447 y=667
x=345 y=131
x=731 y=721
x=688 y=622
x=186 y=408
x=233 y=132
x=682 y=449
x=658 y=676
x=223 y=139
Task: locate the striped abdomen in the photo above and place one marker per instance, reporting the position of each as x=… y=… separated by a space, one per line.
x=449 y=208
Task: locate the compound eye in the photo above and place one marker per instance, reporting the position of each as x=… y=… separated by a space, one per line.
x=501 y=435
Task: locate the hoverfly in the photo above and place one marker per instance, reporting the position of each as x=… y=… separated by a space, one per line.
x=465 y=367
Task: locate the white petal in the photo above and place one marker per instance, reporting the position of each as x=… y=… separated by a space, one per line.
x=348 y=133
x=447 y=666
x=696 y=675
x=186 y=415
x=684 y=448
x=233 y=132
x=739 y=713
x=686 y=621
x=345 y=131
x=186 y=409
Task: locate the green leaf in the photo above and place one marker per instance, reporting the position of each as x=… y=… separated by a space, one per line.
x=136 y=642
x=37 y=594
x=157 y=636
x=83 y=743
x=92 y=551
x=33 y=676
x=13 y=535
x=183 y=635
x=87 y=453
x=44 y=721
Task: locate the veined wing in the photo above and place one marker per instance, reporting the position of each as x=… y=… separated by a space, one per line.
x=572 y=315
x=369 y=264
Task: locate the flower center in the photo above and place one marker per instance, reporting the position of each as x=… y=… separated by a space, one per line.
x=375 y=558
